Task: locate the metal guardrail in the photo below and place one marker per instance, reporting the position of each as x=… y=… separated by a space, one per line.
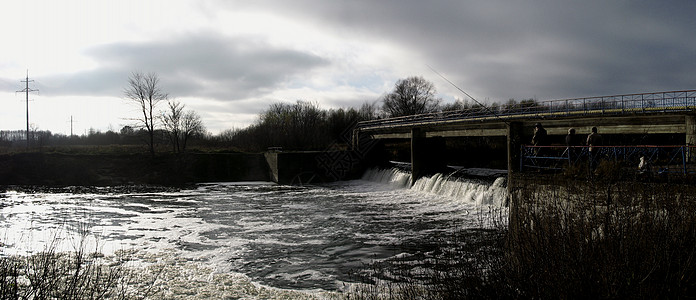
x=656 y=159
x=657 y=102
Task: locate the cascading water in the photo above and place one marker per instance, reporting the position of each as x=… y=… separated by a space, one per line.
x=466 y=190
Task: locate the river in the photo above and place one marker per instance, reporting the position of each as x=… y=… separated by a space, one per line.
x=304 y=239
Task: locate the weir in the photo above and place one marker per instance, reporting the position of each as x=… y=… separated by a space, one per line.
x=468 y=191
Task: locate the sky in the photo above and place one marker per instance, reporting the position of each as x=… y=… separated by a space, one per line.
x=229 y=60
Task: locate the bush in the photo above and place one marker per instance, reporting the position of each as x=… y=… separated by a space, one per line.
x=68 y=275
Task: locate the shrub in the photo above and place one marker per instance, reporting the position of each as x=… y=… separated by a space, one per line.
x=79 y=274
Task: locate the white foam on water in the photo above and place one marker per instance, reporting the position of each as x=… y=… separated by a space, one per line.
x=207 y=237
x=464 y=190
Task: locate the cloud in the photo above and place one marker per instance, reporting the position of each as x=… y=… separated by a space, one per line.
x=503 y=49
x=344 y=53
x=194 y=65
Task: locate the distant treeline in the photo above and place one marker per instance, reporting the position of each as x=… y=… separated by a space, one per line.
x=305 y=126
x=291 y=126
x=298 y=126
x=40 y=138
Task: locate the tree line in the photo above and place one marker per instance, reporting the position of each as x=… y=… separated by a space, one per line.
x=292 y=126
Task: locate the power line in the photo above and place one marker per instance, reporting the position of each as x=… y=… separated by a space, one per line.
x=27 y=90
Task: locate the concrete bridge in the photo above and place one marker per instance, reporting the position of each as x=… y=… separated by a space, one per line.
x=672 y=112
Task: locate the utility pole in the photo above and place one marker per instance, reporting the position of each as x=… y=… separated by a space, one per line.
x=27 y=90
x=71 y=125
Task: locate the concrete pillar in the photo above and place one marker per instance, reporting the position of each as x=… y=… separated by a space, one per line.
x=418 y=160
x=514 y=142
x=427 y=154
x=691 y=137
x=355 y=139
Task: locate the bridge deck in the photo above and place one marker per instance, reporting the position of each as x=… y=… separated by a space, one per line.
x=646 y=104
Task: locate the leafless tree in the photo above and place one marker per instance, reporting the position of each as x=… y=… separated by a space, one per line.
x=411 y=96
x=181 y=125
x=368 y=111
x=144 y=90
x=191 y=126
x=171 y=120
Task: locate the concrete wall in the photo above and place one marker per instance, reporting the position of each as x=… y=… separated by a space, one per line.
x=312 y=166
x=166 y=169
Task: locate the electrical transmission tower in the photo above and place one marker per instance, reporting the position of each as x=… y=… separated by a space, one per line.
x=27 y=90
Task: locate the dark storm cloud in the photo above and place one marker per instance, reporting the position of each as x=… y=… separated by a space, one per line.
x=505 y=49
x=196 y=65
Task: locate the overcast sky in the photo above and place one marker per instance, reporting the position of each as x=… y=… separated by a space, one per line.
x=228 y=60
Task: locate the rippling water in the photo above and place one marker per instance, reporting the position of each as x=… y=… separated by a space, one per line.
x=288 y=237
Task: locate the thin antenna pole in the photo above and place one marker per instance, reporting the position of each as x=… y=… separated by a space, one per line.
x=27 y=90
x=467 y=94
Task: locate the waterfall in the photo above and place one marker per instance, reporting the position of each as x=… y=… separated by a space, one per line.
x=393 y=177
x=467 y=190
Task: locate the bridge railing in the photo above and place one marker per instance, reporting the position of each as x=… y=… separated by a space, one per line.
x=655 y=159
x=672 y=101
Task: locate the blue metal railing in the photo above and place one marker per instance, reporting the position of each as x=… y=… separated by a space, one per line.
x=658 y=102
x=656 y=159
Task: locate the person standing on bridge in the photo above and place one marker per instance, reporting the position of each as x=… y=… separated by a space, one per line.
x=593 y=141
x=540 y=137
x=572 y=140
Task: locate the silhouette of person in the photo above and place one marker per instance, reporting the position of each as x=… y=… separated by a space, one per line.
x=540 y=137
x=572 y=140
x=593 y=141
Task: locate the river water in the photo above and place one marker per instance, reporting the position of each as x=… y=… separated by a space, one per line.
x=304 y=239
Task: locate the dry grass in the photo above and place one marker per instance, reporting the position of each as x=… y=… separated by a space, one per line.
x=79 y=274
x=603 y=238
x=606 y=237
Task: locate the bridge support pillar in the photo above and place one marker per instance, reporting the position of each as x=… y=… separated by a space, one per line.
x=691 y=137
x=514 y=141
x=418 y=164
x=427 y=155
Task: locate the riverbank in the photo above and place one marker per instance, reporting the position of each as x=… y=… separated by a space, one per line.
x=57 y=169
x=603 y=237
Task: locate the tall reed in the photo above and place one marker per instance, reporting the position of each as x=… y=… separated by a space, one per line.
x=80 y=274
x=606 y=235
x=602 y=238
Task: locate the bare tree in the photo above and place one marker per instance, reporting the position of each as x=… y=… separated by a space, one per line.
x=411 y=96
x=368 y=111
x=171 y=120
x=144 y=90
x=181 y=125
x=191 y=125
